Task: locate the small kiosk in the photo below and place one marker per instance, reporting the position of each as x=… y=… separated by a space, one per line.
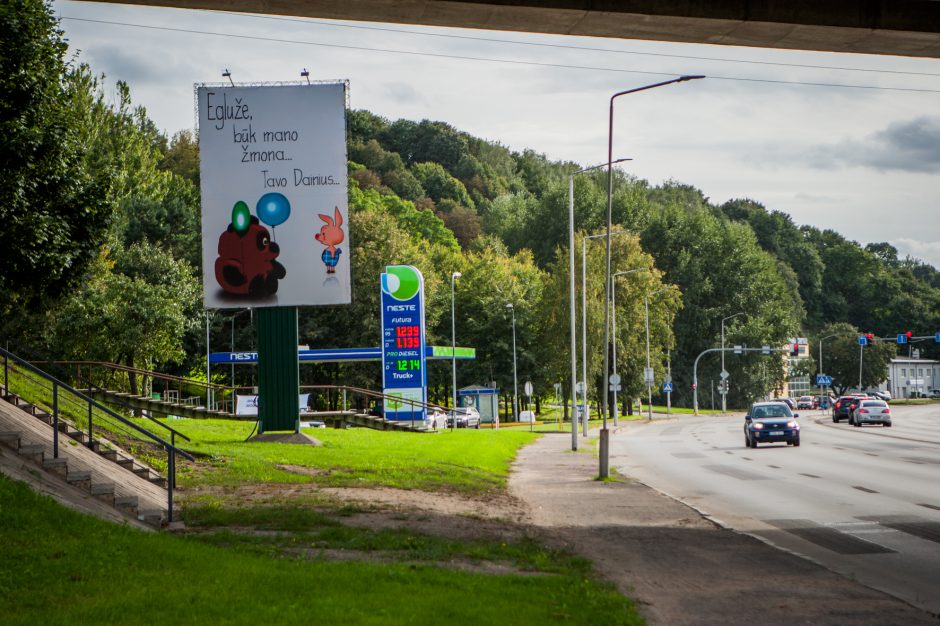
x=483 y=399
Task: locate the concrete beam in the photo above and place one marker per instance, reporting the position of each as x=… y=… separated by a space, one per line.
x=885 y=27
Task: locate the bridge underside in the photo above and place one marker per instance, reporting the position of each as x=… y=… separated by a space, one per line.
x=887 y=27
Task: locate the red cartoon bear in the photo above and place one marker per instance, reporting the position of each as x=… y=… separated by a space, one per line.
x=246 y=264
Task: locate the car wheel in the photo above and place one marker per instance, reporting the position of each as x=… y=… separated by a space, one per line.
x=835 y=419
x=753 y=443
x=747 y=442
x=796 y=442
x=888 y=424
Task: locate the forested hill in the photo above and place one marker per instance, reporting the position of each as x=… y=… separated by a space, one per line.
x=481 y=188
x=105 y=257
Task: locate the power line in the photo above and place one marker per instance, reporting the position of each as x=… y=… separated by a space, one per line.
x=491 y=60
x=571 y=47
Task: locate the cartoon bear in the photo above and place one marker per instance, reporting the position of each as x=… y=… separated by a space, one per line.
x=246 y=264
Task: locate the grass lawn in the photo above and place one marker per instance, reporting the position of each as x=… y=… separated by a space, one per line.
x=470 y=461
x=60 y=567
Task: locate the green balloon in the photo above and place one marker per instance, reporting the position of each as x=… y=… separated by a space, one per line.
x=241 y=217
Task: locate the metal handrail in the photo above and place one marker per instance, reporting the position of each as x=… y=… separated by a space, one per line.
x=170 y=446
x=173 y=431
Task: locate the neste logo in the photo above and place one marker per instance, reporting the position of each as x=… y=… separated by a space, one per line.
x=401 y=282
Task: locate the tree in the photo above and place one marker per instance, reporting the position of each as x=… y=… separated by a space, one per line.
x=843 y=357
x=135 y=309
x=52 y=204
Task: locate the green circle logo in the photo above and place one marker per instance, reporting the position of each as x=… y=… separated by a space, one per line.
x=401 y=282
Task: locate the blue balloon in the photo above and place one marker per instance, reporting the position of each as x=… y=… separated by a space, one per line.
x=273 y=209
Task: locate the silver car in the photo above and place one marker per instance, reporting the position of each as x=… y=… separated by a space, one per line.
x=871 y=412
x=467 y=417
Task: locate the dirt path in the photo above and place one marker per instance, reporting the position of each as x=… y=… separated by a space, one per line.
x=678 y=566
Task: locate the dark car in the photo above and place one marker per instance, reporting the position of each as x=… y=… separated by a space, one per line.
x=871 y=412
x=787 y=401
x=842 y=409
x=771 y=422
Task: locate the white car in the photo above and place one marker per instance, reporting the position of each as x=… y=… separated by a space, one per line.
x=467 y=417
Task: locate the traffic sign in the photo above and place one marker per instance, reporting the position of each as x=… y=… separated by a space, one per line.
x=724 y=374
x=902 y=338
x=937 y=337
x=580 y=387
x=614 y=387
x=863 y=341
x=667 y=387
x=614 y=379
x=649 y=375
x=528 y=389
x=765 y=349
x=668 y=379
x=823 y=381
x=739 y=349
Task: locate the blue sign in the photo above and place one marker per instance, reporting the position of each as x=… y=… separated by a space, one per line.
x=667 y=387
x=404 y=361
x=902 y=338
x=863 y=341
x=823 y=381
x=937 y=337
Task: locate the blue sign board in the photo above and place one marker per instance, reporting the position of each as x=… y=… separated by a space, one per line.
x=902 y=338
x=404 y=361
x=863 y=341
x=667 y=387
x=823 y=381
x=937 y=337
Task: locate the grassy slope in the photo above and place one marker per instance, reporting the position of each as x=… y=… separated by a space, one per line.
x=60 y=567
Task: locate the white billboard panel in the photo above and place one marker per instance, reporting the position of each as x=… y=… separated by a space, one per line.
x=275 y=222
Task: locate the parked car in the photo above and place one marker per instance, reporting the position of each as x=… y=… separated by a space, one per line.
x=882 y=395
x=467 y=417
x=842 y=409
x=437 y=417
x=871 y=412
x=934 y=393
x=788 y=401
x=769 y=422
x=805 y=402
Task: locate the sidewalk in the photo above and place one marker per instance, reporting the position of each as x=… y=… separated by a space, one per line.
x=679 y=567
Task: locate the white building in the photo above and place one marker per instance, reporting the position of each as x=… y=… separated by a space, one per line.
x=907 y=376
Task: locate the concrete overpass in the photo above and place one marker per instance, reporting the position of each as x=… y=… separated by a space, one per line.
x=887 y=27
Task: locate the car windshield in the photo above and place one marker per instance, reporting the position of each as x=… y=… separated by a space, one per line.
x=770 y=410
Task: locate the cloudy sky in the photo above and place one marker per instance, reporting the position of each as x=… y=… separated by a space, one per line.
x=767 y=125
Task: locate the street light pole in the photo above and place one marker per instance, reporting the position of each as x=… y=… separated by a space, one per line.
x=585 y=415
x=515 y=380
x=574 y=374
x=649 y=383
x=453 y=345
x=613 y=299
x=724 y=395
x=604 y=447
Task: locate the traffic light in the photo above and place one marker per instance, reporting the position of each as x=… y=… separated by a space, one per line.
x=870 y=337
x=795 y=349
x=694 y=386
x=909 y=334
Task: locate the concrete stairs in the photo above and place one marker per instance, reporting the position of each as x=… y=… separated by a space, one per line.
x=84 y=477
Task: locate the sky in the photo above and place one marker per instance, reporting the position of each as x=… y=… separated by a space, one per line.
x=862 y=158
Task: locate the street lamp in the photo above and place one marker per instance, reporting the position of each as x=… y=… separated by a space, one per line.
x=453 y=344
x=574 y=373
x=613 y=300
x=604 y=447
x=585 y=415
x=724 y=394
x=515 y=379
x=646 y=376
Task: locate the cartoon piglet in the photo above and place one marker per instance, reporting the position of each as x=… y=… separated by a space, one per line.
x=330 y=235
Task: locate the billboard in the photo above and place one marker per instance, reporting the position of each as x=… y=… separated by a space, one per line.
x=275 y=223
x=404 y=360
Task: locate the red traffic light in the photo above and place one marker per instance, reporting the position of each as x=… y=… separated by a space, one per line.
x=870 y=336
x=909 y=334
x=694 y=385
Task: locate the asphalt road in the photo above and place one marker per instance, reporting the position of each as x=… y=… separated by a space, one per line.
x=864 y=502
